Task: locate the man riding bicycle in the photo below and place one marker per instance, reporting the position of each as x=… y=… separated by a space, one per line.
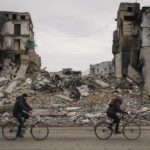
x=114 y=107
x=18 y=111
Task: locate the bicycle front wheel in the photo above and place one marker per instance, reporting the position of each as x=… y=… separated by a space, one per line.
x=39 y=131
x=131 y=131
x=9 y=131
x=102 y=131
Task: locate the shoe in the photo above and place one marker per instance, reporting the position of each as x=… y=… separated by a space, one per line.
x=19 y=135
x=118 y=132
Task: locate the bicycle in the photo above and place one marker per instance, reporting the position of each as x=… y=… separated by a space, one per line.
x=131 y=130
x=39 y=130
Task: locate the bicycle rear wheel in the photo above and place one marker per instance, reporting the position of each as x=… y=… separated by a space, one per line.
x=9 y=131
x=102 y=131
x=131 y=131
x=39 y=131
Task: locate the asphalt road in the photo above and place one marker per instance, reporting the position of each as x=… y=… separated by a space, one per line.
x=76 y=139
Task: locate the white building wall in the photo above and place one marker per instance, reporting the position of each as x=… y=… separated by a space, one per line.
x=23 y=43
x=7 y=43
x=8 y=28
x=25 y=28
x=103 y=68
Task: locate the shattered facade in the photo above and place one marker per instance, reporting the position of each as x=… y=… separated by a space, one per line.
x=17 y=45
x=131 y=43
x=104 y=68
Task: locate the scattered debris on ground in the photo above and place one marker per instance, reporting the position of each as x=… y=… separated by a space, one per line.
x=67 y=99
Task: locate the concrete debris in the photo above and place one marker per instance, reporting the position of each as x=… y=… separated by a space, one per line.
x=5 y=114
x=91 y=115
x=101 y=83
x=86 y=121
x=11 y=87
x=28 y=81
x=84 y=90
x=72 y=114
x=67 y=98
x=64 y=97
x=1 y=95
x=145 y=109
x=72 y=108
x=58 y=109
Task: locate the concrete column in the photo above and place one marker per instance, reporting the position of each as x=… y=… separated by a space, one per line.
x=118 y=65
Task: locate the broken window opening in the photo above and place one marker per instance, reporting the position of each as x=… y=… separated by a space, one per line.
x=1 y=58
x=17 y=29
x=1 y=43
x=129 y=18
x=130 y=9
x=6 y=15
x=17 y=59
x=22 y=17
x=14 y=16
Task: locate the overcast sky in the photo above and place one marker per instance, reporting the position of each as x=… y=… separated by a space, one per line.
x=71 y=33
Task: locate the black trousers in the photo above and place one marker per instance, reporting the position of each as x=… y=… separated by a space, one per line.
x=115 y=118
x=19 y=117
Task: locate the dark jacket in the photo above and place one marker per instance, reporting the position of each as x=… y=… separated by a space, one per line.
x=21 y=105
x=115 y=107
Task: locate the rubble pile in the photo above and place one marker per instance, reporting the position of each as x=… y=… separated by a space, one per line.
x=67 y=98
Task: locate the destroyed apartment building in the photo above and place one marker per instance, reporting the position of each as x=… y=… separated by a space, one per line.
x=17 y=45
x=131 y=44
x=104 y=68
x=64 y=98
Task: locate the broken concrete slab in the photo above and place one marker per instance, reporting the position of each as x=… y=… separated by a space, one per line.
x=134 y=75
x=1 y=95
x=64 y=97
x=84 y=90
x=91 y=115
x=72 y=108
x=22 y=71
x=85 y=121
x=28 y=81
x=11 y=86
x=101 y=83
x=144 y=109
x=71 y=114
x=44 y=112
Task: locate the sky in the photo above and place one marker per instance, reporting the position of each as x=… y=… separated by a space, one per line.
x=71 y=33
